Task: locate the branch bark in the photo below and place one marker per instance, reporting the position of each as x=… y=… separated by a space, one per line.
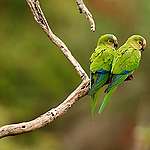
x=81 y=90
x=49 y=116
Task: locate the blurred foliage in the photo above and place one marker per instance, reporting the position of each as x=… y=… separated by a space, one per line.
x=142 y=138
x=35 y=76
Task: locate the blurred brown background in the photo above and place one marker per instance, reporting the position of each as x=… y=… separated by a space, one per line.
x=35 y=76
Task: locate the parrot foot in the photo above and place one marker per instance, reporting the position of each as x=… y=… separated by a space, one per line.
x=130 y=77
x=108 y=81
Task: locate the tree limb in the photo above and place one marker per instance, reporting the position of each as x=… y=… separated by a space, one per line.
x=81 y=90
x=49 y=116
x=41 y=20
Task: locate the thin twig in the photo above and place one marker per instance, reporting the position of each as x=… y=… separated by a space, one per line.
x=52 y=114
x=83 y=9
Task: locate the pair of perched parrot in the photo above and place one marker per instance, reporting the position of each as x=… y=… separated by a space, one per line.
x=111 y=66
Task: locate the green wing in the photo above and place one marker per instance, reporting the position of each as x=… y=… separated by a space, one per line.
x=101 y=59
x=127 y=61
x=100 y=68
x=97 y=51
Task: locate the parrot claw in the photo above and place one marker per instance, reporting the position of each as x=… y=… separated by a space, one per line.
x=130 y=77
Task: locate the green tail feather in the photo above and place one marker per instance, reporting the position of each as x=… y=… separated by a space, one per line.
x=94 y=101
x=116 y=80
x=106 y=100
x=95 y=90
x=99 y=81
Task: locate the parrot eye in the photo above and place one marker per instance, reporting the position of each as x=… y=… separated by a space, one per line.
x=140 y=42
x=110 y=41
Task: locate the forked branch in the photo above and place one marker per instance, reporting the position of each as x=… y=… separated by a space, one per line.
x=80 y=91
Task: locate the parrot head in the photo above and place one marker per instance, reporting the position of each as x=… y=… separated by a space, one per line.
x=108 y=40
x=137 y=42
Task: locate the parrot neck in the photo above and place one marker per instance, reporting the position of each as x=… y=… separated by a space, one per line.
x=101 y=44
x=133 y=44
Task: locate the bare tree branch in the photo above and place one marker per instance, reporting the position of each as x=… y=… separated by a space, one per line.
x=48 y=117
x=81 y=90
x=83 y=9
x=41 y=20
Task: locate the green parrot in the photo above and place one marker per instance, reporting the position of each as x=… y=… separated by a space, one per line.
x=125 y=62
x=100 y=65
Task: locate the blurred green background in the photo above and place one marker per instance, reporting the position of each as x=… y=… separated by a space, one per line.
x=35 y=76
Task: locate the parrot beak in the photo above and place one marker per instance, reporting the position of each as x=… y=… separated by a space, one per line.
x=142 y=49
x=143 y=46
x=115 y=44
